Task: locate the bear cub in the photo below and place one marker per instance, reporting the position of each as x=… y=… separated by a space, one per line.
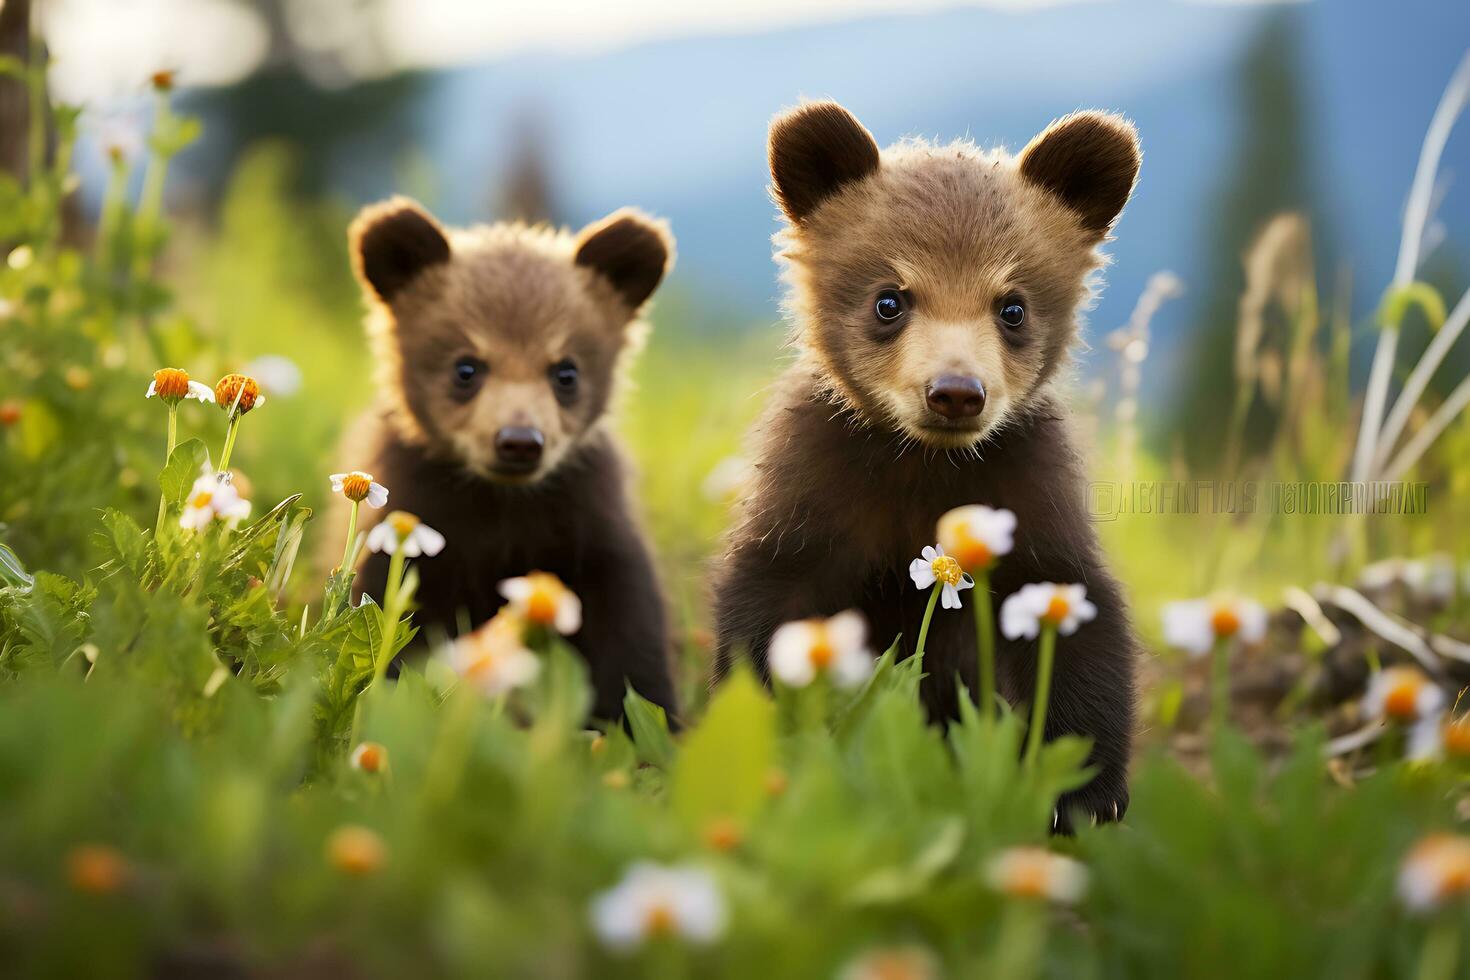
x=498 y=350
x=934 y=294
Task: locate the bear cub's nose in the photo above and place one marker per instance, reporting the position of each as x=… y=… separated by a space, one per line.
x=956 y=396
x=519 y=446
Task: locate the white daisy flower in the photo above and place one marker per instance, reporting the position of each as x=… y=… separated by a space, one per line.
x=893 y=963
x=401 y=529
x=494 y=658
x=356 y=486
x=1435 y=871
x=1427 y=739
x=1431 y=578
x=655 y=902
x=936 y=566
x=541 y=598
x=837 y=647
x=172 y=385
x=276 y=374
x=1034 y=872
x=1194 y=625
x=975 y=536
x=1403 y=694
x=369 y=757
x=1063 y=606
x=213 y=497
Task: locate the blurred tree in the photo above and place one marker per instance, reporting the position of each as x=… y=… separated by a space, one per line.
x=525 y=191
x=1268 y=176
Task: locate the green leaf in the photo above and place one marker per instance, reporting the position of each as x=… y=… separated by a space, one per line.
x=650 y=727
x=723 y=763
x=12 y=570
x=182 y=469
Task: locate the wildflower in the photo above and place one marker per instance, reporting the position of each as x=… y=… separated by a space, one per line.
x=356 y=851
x=238 y=394
x=1034 y=872
x=20 y=257
x=77 y=378
x=276 y=374
x=1436 y=870
x=1436 y=736
x=723 y=834
x=836 y=647
x=369 y=757
x=358 y=486
x=976 y=536
x=172 y=385
x=96 y=869
x=401 y=529
x=9 y=413
x=542 y=599
x=1402 y=694
x=494 y=657
x=1196 y=625
x=657 y=902
x=893 y=963
x=936 y=566
x=213 y=497
x=164 y=80
x=1455 y=736
x=1064 y=607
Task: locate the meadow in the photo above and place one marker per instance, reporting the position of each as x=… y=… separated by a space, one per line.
x=206 y=771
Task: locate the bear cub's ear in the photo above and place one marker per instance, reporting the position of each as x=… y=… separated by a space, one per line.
x=392 y=243
x=814 y=149
x=1088 y=159
x=630 y=250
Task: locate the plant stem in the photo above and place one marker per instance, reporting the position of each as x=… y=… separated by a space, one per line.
x=392 y=613
x=1441 y=952
x=351 y=535
x=230 y=433
x=1448 y=410
x=985 y=642
x=446 y=765
x=1022 y=936
x=173 y=436
x=1220 y=687
x=928 y=615
x=1045 y=655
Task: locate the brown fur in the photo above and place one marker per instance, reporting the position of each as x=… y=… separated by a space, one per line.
x=854 y=466
x=520 y=301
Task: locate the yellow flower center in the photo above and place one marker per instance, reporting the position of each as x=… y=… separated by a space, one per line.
x=402 y=523
x=1056 y=610
x=233 y=387
x=1225 y=622
x=947 y=570
x=659 y=919
x=723 y=834
x=170 y=384
x=370 y=757
x=355 y=486
x=1029 y=879
x=201 y=499
x=970 y=551
x=545 y=598
x=356 y=851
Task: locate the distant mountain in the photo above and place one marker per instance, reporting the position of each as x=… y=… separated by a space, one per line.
x=678 y=126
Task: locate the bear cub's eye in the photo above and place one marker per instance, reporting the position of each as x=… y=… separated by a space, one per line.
x=468 y=373
x=564 y=378
x=890 y=305
x=1012 y=312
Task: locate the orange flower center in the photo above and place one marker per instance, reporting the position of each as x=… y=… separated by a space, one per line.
x=1056 y=610
x=822 y=653
x=723 y=834
x=356 y=851
x=947 y=570
x=370 y=757
x=355 y=486
x=201 y=499
x=236 y=393
x=659 y=920
x=1402 y=701
x=1456 y=878
x=1028 y=880
x=170 y=384
x=970 y=551
x=402 y=524
x=1225 y=622
x=9 y=413
x=96 y=869
x=541 y=606
x=894 y=966
x=1457 y=737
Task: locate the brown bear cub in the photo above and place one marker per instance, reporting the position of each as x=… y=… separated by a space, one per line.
x=498 y=350
x=934 y=293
